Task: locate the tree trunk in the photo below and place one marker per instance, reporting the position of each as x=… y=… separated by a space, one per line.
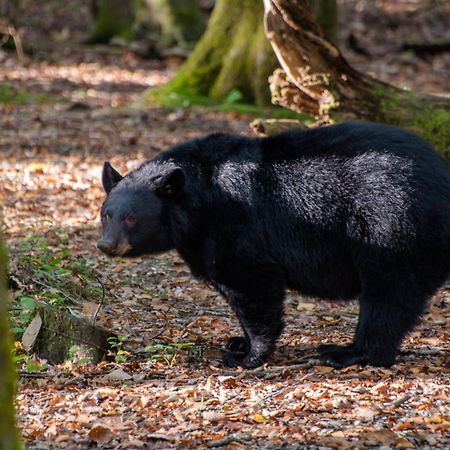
x=316 y=79
x=112 y=18
x=169 y=22
x=325 y=13
x=8 y=433
x=233 y=54
x=175 y=22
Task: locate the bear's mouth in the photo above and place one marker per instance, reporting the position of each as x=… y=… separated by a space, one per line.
x=123 y=248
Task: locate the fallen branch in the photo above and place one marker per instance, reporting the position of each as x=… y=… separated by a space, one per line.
x=282 y=389
x=229 y=439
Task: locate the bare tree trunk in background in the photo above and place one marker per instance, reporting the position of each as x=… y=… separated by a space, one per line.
x=8 y=432
x=326 y=13
x=169 y=22
x=112 y=18
x=316 y=79
x=176 y=22
x=9 y=9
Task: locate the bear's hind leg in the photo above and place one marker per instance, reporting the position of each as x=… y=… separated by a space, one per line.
x=385 y=317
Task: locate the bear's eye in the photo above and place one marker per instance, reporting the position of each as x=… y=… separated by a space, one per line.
x=105 y=217
x=130 y=220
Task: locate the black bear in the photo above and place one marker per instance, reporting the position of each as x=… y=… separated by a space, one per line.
x=355 y=209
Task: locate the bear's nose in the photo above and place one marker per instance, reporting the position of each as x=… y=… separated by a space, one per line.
x=106 y=246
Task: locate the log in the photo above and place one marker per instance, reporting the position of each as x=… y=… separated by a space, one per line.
x=60 y=332
x=316 y=79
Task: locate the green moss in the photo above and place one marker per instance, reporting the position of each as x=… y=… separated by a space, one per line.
x=8 y=94
x=231 y=103
x=418 y=114
x=203 y=66
x=8 y=433
x=434 y=126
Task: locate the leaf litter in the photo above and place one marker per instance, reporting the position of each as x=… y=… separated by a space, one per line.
x=170 y=389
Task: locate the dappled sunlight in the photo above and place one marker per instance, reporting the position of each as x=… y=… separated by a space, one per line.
x=106 y=85
x=163 y=384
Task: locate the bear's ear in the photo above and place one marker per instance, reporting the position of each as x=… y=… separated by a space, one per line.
x=171 y=183
x=110 y=177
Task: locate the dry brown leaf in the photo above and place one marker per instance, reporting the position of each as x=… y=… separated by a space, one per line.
x=31 y=333
x=384 y=437
x=117 y=375
x=366 y=413
x=404 y=443
x=324 y=369
x=304 y=306
x=213 y=416
x=89 y=309
x=100 y=434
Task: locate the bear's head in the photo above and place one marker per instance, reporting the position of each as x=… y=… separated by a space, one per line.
x=135 y=212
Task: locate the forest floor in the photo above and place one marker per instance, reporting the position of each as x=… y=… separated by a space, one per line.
x=64 y=112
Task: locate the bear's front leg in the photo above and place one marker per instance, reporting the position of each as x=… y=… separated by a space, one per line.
x=261 y=319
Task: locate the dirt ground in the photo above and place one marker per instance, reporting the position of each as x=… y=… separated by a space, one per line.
x=52 y=151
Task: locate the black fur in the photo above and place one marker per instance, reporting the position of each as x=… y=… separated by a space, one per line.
x=357 y=209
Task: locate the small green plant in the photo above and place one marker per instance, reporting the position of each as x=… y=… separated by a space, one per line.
x=28 y=363
x=8 y=94
x=168 y=352
x=23 y=311
x=234 y=96
x=79 y=355
x=116 y=344
x=50 y=274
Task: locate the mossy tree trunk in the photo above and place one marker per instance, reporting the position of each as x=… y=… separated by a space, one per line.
x=175 y=22
x=169 y=22
x=233 y=54
x=8 y=433
x=316 y=79
x=112 y=18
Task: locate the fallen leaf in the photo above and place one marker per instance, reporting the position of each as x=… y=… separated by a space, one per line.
x=325 y=369
x=303 y=306
x=31 y=333
x=366 y=413
x=259 y=418
x=89 y=309
x=117 y=375
x=404 y=443
x=213 y=416
x=99 y=433
x=384 y=437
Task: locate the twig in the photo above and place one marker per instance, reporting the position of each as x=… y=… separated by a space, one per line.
x=261 y=372
x=59 y=291
x=279 y=391
x=400 y=400
x=164 y=328
x=228 y=440
x=100 y=305
x=25 y=374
